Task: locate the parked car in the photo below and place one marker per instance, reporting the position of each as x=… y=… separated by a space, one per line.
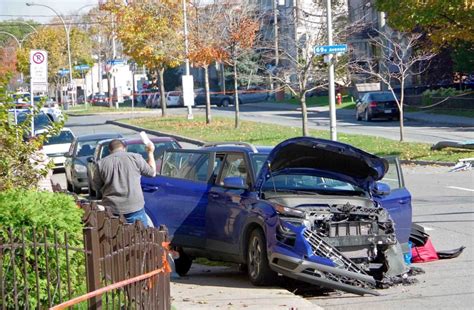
x=22 y=101
x=133 y=145
x=217 y=97
x=174 y=99
x=57 y=146
x=41 y=120
x=252 y=94
x=377 y=105
x=100 y=99
x=153 y=99
x=82 y=148
x=309 y=209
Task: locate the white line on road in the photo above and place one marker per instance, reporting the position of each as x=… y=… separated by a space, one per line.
x=461 y=188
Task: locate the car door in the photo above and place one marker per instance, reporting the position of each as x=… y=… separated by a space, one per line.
x=178 y=197
x=398 y=201
x=228 y=207
x=69 y=158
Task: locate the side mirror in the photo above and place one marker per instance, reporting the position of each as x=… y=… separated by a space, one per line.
x=381 y=189
x=234 y=182
x=90 y=159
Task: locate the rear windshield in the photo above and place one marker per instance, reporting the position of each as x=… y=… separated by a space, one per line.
x=41 y=120
x=63 y=137
x=382 y=97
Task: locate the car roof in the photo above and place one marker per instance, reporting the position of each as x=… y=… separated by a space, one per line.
x=139 y=141
x=230 y=147
x=100 y=136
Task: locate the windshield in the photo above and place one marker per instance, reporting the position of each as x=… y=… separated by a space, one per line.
x=64 y=137
x=310 y=183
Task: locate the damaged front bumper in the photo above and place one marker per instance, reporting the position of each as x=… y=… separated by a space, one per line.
x=343 y=275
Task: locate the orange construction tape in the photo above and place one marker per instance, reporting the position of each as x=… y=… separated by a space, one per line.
x=166 y=269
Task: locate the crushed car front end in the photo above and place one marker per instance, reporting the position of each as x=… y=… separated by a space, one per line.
x=330 y=230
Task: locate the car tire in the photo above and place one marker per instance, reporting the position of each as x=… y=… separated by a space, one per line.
x=224 y=103
x=258 y=269
x=366 y=116
x=183 y=263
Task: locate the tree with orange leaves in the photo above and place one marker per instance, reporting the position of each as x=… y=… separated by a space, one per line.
x=240 y=34
x=150 y=34
x=206 y=41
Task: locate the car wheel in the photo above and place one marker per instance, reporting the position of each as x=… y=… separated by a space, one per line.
x=225 y=103
x=183 y=263
x=258 y=269
x=366 y=116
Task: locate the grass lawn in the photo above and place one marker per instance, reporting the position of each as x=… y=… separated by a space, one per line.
x=269 y=134
x=321 y=101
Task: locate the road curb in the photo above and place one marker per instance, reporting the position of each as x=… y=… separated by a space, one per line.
x=157 y=133
x=437 y=121
x=200 y=143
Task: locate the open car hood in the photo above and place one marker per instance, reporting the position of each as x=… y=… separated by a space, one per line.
x=323 y=158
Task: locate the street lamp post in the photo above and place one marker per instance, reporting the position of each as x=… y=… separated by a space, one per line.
x=67 y=40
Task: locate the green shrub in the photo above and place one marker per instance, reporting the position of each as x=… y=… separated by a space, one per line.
x=35 y=213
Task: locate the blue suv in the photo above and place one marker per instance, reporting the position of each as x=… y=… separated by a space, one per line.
x=309 y=209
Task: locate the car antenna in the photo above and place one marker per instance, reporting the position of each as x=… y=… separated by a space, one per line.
x=271 y=174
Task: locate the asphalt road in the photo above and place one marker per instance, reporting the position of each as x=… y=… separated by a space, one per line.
x=443 y=202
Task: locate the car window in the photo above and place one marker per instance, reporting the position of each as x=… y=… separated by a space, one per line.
x=63 y=137
x=86 y=148
x=382 y=97
x=234 y=166
x=186 y=165
x=392 y=177
x=160 y=148
x=104 y=151
x=41 y=120
x=257 y=162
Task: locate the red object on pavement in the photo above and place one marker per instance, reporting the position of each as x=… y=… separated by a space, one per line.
x=424 y=253
x=339 y=98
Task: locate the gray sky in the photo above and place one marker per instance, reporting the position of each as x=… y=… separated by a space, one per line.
x=12 y=9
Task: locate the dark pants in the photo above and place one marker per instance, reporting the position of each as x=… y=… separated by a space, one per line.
x=139 y=215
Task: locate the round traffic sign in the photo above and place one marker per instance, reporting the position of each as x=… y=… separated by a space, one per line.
x=38 y=58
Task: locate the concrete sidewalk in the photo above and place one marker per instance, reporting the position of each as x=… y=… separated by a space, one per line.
x=416 y=116
x=208 y=287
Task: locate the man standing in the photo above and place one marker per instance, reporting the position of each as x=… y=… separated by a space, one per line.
x=118 y=177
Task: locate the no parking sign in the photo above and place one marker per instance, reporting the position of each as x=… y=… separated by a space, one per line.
x=39 y=70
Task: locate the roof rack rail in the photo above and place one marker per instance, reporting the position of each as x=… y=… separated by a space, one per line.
x=249 y=145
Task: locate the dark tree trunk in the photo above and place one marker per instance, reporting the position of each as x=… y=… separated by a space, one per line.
x=236 y=98
x=161 y=72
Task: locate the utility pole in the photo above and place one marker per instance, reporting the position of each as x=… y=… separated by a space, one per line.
x=332 y=99
x=186 y=48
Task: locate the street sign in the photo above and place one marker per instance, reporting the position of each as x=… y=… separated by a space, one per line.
x=114 y=62
x=39 y=70
x=81 y=67
x=63 y=71
x=330 y=49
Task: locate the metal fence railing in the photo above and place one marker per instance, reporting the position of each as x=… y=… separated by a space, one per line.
x=114 y=265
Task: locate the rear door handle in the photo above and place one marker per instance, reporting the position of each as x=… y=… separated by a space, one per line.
x=150 y=188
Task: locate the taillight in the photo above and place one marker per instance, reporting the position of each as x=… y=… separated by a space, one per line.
x=373 y=104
